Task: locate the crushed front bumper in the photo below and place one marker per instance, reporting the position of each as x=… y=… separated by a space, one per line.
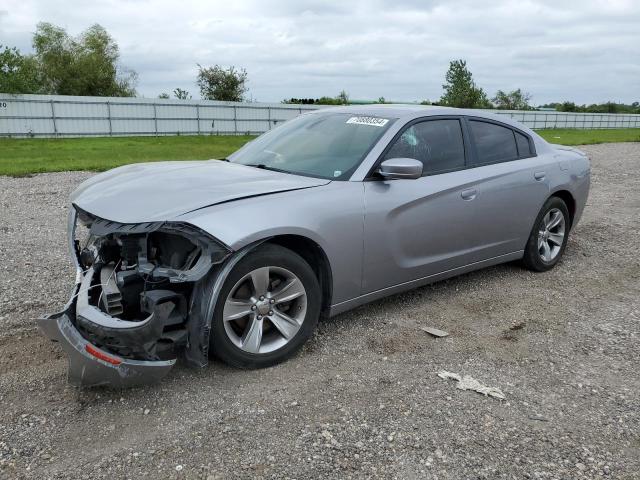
x=91 y=366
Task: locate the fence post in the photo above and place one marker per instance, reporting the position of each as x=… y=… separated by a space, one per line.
x=198 y=116
x=155 y=118
x=109 y=117
x=269 y=117
x=53 y=117
x=235 y=120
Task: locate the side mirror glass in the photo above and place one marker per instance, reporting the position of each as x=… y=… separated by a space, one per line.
x=396 y=168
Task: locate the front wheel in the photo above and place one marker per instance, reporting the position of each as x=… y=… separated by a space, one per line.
x=267 y=309
x=548 y=237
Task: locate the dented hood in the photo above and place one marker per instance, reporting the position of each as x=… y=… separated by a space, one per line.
x=148 y=192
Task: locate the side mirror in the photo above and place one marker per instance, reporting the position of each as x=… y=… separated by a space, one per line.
x=396 y=168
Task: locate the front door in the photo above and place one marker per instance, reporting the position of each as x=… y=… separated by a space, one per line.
x=416 y=228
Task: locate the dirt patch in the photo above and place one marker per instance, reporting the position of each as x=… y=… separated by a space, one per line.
x=362 y=400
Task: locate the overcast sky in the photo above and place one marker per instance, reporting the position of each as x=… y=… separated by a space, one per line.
x=582 y=50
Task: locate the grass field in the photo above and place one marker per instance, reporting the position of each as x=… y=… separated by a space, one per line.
x=571 y=136
x=26 y=156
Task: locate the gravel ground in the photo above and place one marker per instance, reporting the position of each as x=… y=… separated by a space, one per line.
x=362 y=400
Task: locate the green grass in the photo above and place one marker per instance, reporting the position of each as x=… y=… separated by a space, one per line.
x=26 y=156
x=569 y=136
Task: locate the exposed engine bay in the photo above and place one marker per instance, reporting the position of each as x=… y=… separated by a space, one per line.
x=136 y=294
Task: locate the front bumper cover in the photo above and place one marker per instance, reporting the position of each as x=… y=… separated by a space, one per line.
x=86 y=368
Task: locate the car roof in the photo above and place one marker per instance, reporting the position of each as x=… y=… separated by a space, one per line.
x=408 y=112
x=391 y=110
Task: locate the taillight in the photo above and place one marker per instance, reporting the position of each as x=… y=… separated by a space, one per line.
x=91 y=350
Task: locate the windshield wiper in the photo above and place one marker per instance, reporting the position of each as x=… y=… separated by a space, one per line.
x=262 y=166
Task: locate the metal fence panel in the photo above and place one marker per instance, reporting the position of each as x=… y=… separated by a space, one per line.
x=124 y=126
x=81 y=126
x=69 y=116
x=173 y=126
x=131 y=111
x=25 y=128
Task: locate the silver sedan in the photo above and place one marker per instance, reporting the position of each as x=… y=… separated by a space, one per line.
x=240 y=258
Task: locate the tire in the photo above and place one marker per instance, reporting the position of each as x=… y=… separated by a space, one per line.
x=537 y=256
x=234 y=338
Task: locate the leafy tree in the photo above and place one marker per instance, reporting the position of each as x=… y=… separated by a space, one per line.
x=567 y=107
x=515 y=100
x=217 y=83
x=18 y=73
x=341 y=99
x=381 y=100
x=460 y=90
x=181 y=94
x=164 y=95
x=329 y=101
x=85 y=65
x=300 y=101
x=607 y=107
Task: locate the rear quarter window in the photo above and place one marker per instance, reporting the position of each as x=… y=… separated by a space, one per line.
x=524 y=147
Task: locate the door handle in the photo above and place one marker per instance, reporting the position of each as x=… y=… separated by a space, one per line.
x=469 y=194
x=539 y=176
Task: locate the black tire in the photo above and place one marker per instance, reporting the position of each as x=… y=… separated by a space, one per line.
x=532 y=259
x=267 y=255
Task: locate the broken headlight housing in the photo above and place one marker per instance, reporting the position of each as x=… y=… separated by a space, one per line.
x=137 y=282
x=178 y=251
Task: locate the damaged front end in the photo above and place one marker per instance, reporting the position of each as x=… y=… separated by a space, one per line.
x=139 y=299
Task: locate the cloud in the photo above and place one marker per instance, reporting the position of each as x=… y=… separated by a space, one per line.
x=586 y=51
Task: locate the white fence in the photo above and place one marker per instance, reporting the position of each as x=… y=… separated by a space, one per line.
x=544 y=119
x=67 y=116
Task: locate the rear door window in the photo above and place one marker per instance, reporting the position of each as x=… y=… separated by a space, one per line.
x=494 y=143
x=438 y=144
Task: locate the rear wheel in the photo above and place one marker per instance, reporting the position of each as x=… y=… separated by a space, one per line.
x=267 y=309
x=548 y=237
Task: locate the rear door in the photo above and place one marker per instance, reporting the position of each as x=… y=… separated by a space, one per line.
x=511 y=181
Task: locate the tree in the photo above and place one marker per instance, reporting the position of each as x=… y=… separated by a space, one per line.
x=181 y=94
x=341 y=99
x=515 y=100
x=85 y=65
x=18 y=73
x=567 y=107
x=460 y=90
x=164 y=96
x=217 y=83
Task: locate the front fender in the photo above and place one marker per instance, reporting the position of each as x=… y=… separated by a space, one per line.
x=332 y=216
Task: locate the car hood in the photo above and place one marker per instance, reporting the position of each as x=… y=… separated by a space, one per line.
x=149 y=192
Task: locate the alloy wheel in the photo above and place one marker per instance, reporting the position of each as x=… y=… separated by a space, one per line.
x=265 y=309
x=551 y=235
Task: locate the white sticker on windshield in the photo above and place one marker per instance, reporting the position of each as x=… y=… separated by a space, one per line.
x=372 y=121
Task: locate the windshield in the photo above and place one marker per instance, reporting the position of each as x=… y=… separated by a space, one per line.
x=325 y=145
